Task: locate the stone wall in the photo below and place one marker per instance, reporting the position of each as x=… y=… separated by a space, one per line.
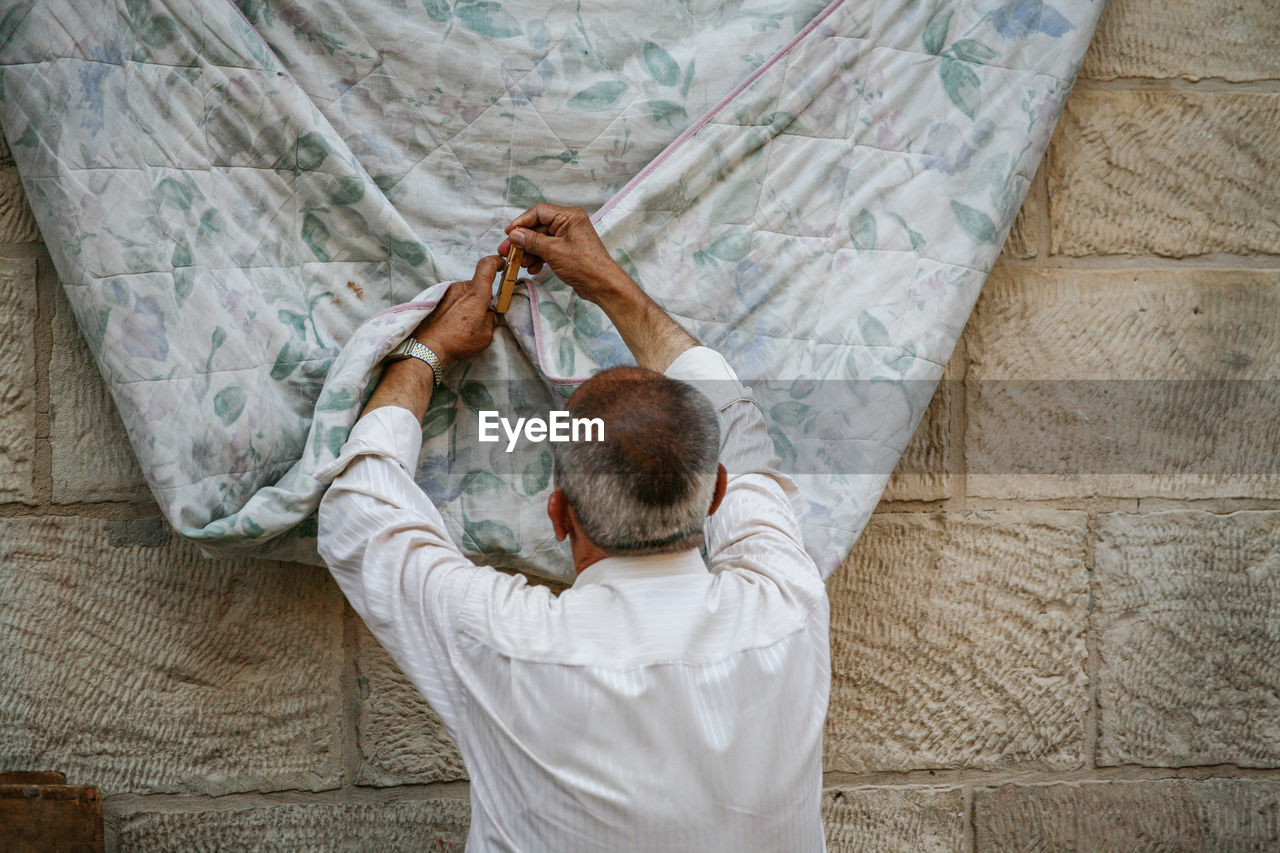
x=1059 y=632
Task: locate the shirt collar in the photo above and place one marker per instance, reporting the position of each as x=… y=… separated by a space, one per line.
x=651 y=565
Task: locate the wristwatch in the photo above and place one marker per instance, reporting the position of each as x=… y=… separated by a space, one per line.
x=411 y=348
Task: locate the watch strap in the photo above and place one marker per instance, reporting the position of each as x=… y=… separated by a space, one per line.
x=412 y=348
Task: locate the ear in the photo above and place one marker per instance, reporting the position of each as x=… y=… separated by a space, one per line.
x=558 y=512
x=722 y=483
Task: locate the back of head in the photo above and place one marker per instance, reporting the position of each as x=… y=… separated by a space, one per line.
x=646 y=487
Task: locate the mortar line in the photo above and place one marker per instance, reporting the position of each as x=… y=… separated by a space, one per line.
x=106 y=510
x=122 y=804
x=978 y=778
x=1206 y=85
x=1216 y=505
x=1092 y=663
x=349 y=687
x=1043 y=225
x=42 y=459
x=110 y=829
x=953 y=500
x=1218 y=261
x=25 y=251
x=1098 y=504
x=960 y=428
x=971 y=815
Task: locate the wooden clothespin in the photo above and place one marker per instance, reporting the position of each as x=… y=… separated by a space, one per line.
x=509 y=275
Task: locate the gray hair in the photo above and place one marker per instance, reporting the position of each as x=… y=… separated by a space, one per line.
x=646 y=487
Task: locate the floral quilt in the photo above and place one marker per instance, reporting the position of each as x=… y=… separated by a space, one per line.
x=250 y=203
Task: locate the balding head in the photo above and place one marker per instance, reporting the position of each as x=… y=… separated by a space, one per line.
x=645 y=488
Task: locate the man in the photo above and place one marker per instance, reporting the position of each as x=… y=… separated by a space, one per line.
x=663 y=702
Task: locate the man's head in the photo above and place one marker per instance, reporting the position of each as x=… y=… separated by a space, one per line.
x=648 y=486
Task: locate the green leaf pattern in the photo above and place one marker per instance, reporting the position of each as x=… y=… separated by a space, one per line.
x=255 y=237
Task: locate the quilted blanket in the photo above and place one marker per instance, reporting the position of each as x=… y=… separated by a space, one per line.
x=249 y=204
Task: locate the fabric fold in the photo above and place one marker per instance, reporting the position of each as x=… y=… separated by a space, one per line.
x=248 y=209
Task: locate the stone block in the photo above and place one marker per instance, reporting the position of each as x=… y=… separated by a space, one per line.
x=957 y=640
x=1127 y=383
x=1024 y=238
x=17 y=224
x=1169 y=815
x=924 y=471
x=17 y=380
x=869 y=820
x=1192 y=39
x=92 y=458
x=1165 y=173
x=1188 y=632
x=148 y=668
x=418 y=826
x=1130 y=324
x=402 y=741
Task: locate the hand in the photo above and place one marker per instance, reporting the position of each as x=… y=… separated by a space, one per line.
x=461 y=325
x=564 y=238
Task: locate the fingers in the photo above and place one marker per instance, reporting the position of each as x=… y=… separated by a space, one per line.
x=530 y=261
x=486 y=268
x=540 y=214
x=543 y=216
x=541 y=245
x=540 y=230
x=450 y=295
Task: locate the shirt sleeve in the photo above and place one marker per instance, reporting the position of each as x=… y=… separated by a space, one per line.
x=387 y=547
x=757 y=526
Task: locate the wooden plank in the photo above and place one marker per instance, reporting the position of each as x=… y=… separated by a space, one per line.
x=46 y=818
x=32 y=777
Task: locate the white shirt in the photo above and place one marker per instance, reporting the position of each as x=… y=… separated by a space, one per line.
x=661 y=703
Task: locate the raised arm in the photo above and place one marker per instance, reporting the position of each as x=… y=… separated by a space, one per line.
x=460 y=326
x=565 y=239
x=757 y=525
x=381 y=537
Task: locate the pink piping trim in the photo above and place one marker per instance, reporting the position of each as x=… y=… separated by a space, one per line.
x=706 y=117
x=537 y=340
x=402 y=307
